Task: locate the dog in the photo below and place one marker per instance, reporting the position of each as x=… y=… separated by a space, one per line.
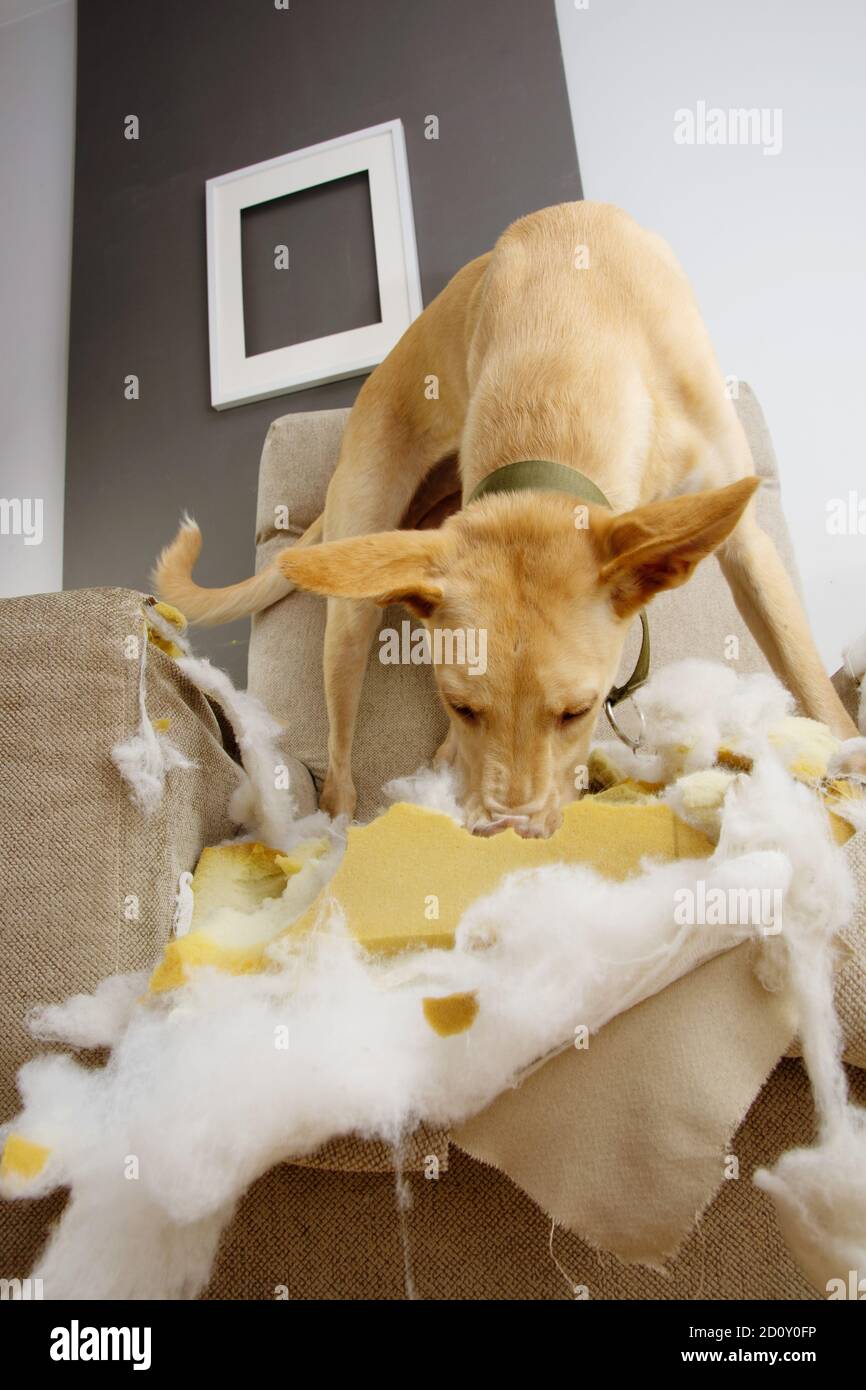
x=577 y=341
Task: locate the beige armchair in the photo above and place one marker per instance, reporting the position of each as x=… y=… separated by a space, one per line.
x=90 y=887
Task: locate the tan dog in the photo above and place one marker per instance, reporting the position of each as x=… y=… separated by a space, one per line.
x=607 y=369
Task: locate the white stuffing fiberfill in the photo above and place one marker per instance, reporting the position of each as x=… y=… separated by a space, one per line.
x=209 y=1085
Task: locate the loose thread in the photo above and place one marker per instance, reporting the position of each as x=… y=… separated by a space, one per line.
x=403 y=1193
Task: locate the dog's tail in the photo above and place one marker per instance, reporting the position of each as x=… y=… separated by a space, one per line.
x=172 y=580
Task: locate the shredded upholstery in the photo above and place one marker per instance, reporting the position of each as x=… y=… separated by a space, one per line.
x=210 y=1084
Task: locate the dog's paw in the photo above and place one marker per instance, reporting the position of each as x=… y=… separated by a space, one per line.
x=338 y=798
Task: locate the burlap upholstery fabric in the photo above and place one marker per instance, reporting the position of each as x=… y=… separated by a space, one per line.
x=350 y=1154
x=400 y=722
x=72 y=846
x=474 y=1235
x=851 y=979
x=313 y=1234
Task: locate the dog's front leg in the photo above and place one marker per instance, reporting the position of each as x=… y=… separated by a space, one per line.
x=769 y=603
x=349 y=632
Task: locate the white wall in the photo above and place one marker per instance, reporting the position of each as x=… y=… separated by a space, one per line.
x=775 y=245
x=37 y=114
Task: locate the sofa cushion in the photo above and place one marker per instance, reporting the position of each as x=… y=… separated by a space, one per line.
x=400 y=722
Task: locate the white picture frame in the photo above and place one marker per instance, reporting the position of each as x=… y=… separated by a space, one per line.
x=380 y=151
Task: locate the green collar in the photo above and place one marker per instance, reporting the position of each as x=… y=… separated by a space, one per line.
x=545 y=475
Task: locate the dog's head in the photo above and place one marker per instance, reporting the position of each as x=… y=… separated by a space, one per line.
x=527 y=601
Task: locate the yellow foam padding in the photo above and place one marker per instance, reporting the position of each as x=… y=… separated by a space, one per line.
x=704 y=792
x=240 y=876
x=173 y=616
x=806 y=747
x=407 y=878
x=834 y=791
x=735 y=762
x=451 y=1013
x=239 y=907
x=196 y=949
x=22 y=1158
x=602 y=770
x=628 y=791
x=842 y=829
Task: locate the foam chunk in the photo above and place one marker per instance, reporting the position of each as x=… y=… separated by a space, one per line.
x=22 y=1158
x=407 y=878
x=244 y=896
x=452 y=1013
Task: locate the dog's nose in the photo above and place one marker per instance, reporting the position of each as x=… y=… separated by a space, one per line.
x=496 y=810
x=521 y=824
x=494 y=826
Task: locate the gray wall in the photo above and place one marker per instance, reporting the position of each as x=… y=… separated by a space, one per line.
x=37 y=119
x=219 y=84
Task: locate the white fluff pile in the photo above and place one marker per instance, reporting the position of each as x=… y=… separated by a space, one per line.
x=820 y=1192
x=91 y=1020
x=210 y=1085
x=692 y=708
x=261 y=802
x=435 y=788
x=145 y=760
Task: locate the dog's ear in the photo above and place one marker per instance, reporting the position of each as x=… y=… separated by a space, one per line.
x=388 y=566
x=658 y=546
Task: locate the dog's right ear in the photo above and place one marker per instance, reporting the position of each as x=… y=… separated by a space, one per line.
x=388 y=566
x=657 y=546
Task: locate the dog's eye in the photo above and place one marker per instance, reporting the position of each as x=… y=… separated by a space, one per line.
x=571 y=716
x=464 y=711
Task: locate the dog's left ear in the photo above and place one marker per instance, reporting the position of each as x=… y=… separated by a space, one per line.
x=388 y=566
x=658 y=546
